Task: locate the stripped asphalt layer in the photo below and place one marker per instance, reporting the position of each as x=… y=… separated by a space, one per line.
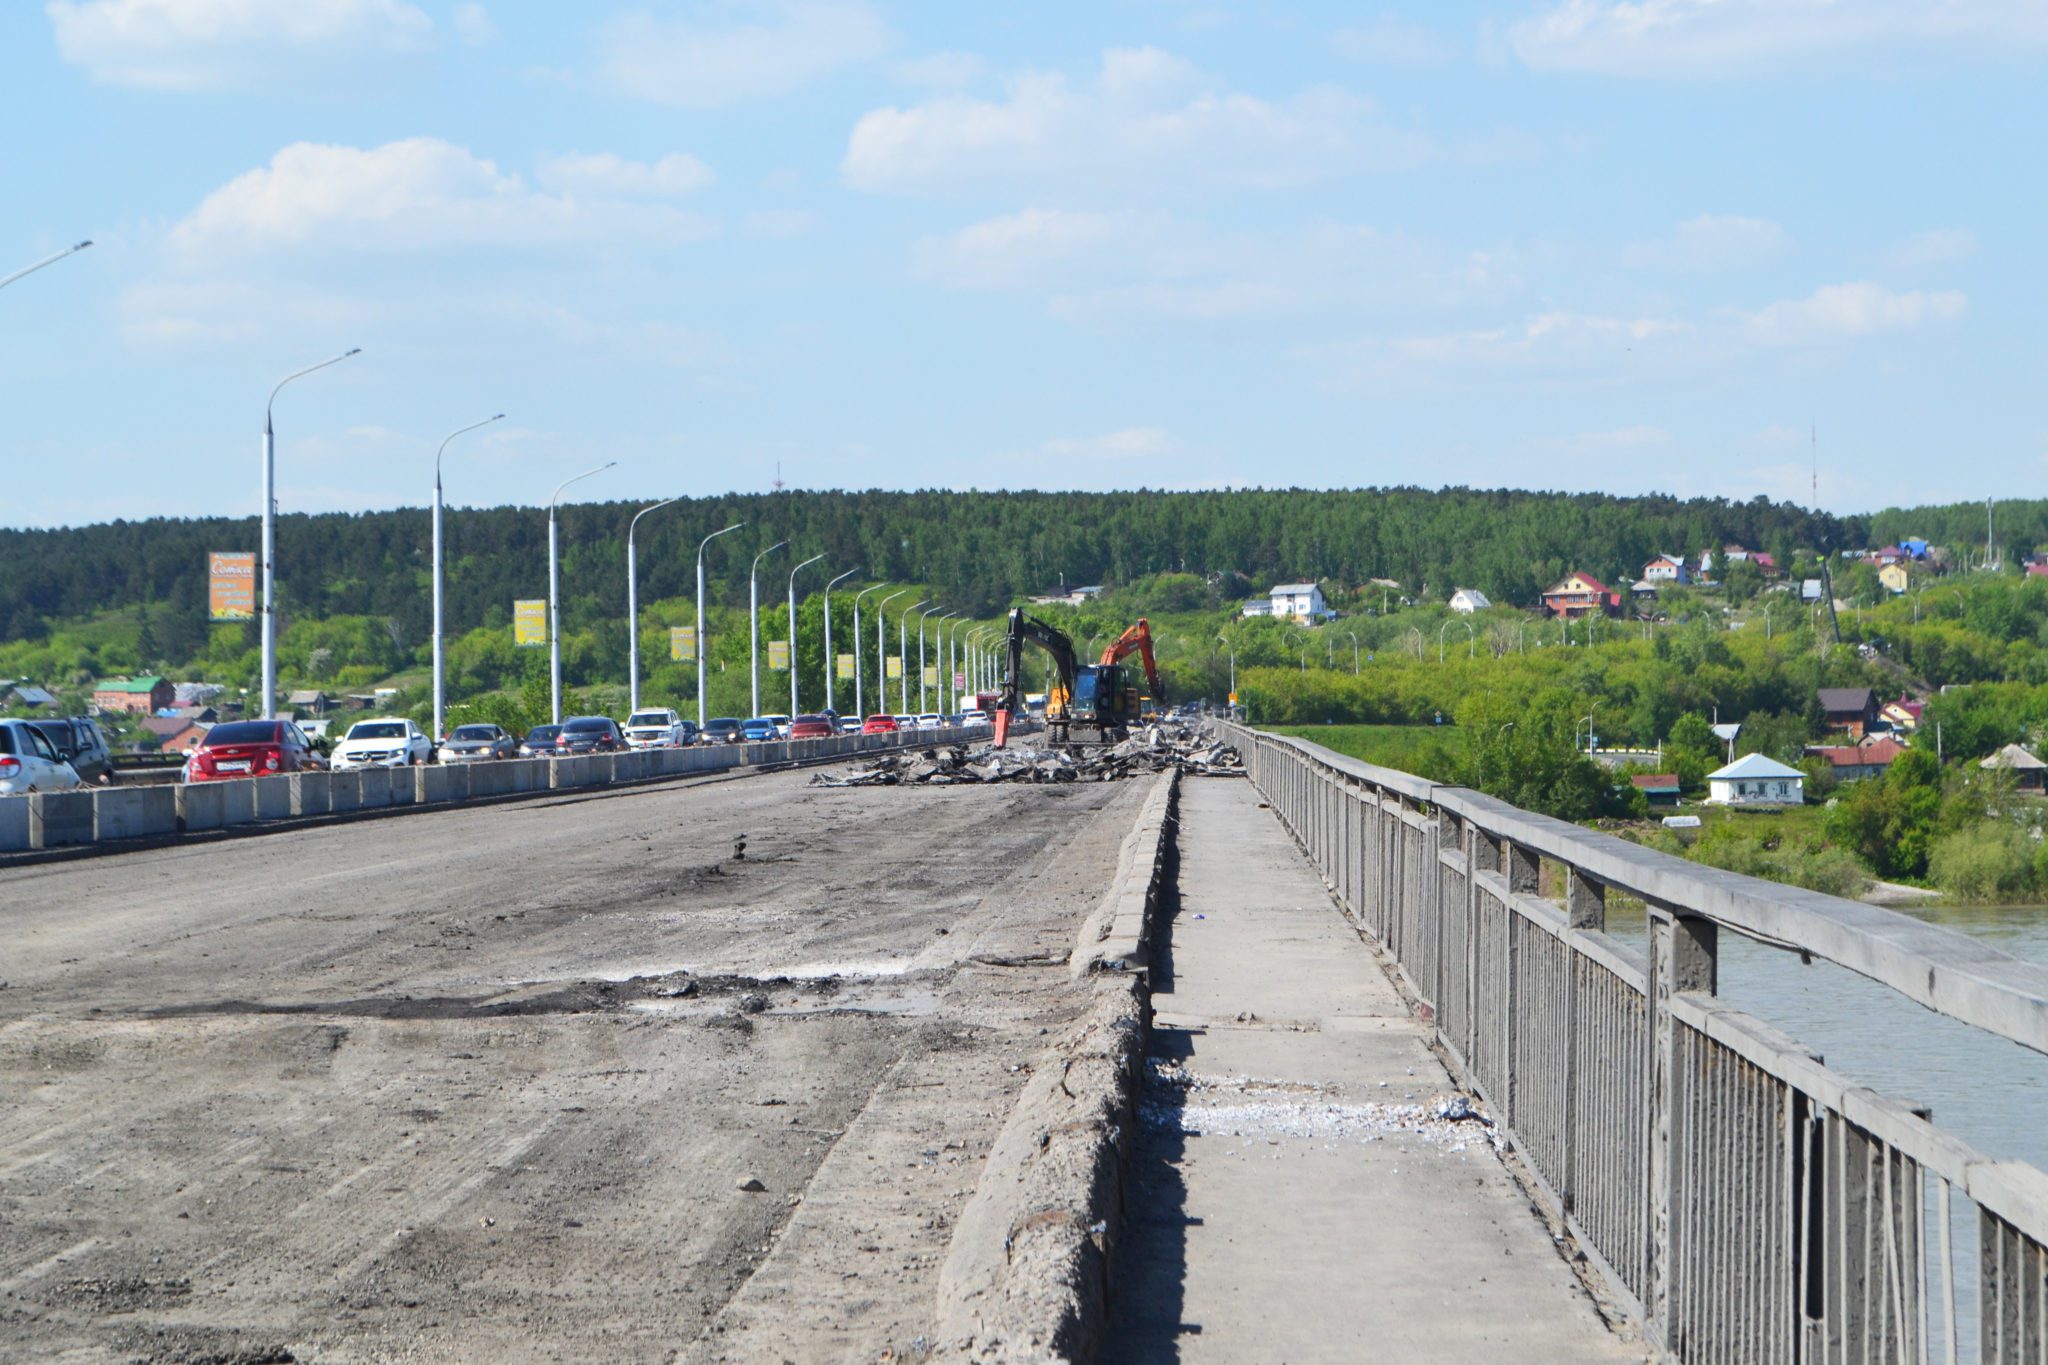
x=500 y=1084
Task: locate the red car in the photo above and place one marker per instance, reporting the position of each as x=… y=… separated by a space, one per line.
x=880 y=725
x=810 y=727
x=252 y=748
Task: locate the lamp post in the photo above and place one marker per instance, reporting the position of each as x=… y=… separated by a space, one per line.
x=754 y=622
x=903 y=648
x=555 y=597
x=439 y=697
x=701 y=641
x=922 y=701
x=633 y=606
x=1232 y=649
x=794 y=708
x=1354 y=652
x=269 y=541
x=882 y=649
x=832 y=664
x=1471 y=637
x=860 y=704
x=51 y=259
x=942 y=634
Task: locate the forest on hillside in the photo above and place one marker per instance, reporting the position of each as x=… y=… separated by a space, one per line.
x=981 y=549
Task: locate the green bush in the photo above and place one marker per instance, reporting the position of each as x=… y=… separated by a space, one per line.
x=1987 y=863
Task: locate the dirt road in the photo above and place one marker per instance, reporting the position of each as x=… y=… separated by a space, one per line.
x=498 y=1084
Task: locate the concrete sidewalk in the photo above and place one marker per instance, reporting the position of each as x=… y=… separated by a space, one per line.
x=1294 y=1198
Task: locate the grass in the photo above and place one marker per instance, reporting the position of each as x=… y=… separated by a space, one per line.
x=1407 y=748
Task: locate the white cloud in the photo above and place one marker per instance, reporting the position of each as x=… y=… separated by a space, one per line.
x=1708 y=38
x=213 y=311
x=1146 y=117
x=417 y=194
x=605 y=173
x=473 y=22
x=783 y=223
x=217 y=44
x=1711 y=242
x=1390 y=40
x=940 y=70
x=1936 y=246
x=1839 y=311
x=704 y=64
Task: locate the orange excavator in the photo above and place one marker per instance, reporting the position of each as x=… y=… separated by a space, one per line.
x=1096 y=697
x=1137 y=640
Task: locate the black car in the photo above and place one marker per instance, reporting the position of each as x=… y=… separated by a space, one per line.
x=590 y=735
x=539 y=741
x=477 y=741
x=722 y=730
x=78 y=741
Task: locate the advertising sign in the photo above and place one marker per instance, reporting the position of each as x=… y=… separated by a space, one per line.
x=530 y=621
x=682 y=643
x=231 y=586
x=778 y=655
x=846 y=665
x=895 y=665
x=931 y=675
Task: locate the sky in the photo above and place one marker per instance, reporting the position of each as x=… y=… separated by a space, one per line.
x=1789 y=248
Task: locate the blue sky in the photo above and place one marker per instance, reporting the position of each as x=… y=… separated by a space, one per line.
x=1570 y=244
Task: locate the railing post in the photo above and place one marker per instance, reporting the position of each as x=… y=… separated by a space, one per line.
x=1683 y=949
x=1585 y=908
x=1522 y=871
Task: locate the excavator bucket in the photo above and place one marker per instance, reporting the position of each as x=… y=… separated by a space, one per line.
x=1002 y=726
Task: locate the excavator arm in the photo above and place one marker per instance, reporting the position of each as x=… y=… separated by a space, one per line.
x=1054 y=642
x=1138 y=639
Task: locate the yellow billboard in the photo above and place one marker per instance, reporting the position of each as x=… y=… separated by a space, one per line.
x=778 y=655
x=682 y=643
x=846 y=666
x=895 y=665
x=231 y=586
x=931 y=675
x=530 y=621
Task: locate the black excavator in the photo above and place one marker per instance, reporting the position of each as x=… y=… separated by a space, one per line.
x=1101 y=697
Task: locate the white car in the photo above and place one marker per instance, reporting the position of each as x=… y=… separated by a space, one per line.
x=781 y=725
x=657 y=729
x=971 y=719
x=930 y=720
x=29 y=763
x=387 y=742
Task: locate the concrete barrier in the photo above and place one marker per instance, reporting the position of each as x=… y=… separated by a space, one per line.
x=56 y=819
x=237 y=801
x=376 y=792
x=430 y=784
x=345 y=791
x=310 y=794
x=202 y=805
x=135 y=813
x=13 y=824
x=273 y=797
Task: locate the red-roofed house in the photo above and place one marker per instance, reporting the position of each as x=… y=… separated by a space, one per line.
x=1765 y=564
x=1659 y=789
x=1581 y=594
x=1853 y=761
x=1904 y=714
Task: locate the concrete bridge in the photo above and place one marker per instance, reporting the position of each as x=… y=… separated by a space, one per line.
x=1331 y=1065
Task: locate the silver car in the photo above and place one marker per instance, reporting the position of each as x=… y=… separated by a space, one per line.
x=477 y=742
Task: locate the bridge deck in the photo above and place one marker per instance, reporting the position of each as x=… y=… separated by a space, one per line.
x=1295 y=1200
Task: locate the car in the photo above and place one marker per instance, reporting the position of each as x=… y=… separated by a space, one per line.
x=810 y=727
x=30 y=763
x=849 y=725
x=78 y=741
x=656 y=729
x=781 y=724
x=539 y=741
x=477 y=742
x=590 y=735
x=973 y=719
x=758 y=730
x=252 y=748
x=387 y=742
x=879 y=725
x=721 y=730
x=930 y=721
x=906 y=722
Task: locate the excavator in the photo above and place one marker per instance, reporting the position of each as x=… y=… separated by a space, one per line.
x=1098 y=696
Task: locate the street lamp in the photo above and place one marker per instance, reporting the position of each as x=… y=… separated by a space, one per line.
x=942 y=654
x=832 y=664
x=633 y=606
x=1471 y=637
x=903 y=648
x=920 y=655
x=1354 y=652
x=794 y=708
x=1233 y=664
x=754 y=622
x=555 y=598
x=860 y=703
x=701 y=642
x=51 y=259
x=882 y=649
x=269 y=516
x=439 y=699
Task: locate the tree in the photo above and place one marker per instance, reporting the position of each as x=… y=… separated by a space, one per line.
x=1692 y=751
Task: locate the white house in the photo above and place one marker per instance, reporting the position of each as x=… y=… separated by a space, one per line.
x=1465 y=601
x=1754 y=780
x=1302 y=601
x=1258 y=606
x=1666 y=569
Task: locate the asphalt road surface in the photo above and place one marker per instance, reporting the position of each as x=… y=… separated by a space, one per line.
x=491 y=1084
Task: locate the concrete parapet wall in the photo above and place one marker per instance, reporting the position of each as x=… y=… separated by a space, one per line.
x=202 y=805
x=13 y=824
x=134 y=812
x=273 y=797
x=311 y=794
x=375 y=793
x=59 y=818
x=344 y=791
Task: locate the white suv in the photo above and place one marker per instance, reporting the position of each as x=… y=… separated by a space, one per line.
x=388 y=742
x=659 y=729
x=30 y=763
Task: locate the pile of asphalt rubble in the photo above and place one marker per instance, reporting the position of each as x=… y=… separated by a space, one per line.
x=1154 y=750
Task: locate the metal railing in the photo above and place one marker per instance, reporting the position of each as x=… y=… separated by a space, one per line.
x=1748 y=1202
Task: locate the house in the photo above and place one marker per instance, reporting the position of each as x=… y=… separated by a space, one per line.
x=1853 y=762
x=1301 y=601
x=175 y=733
x=1580 y=594
x=1810 y=590
x=1853 y=709
x=1667 y=569
x=1659 y=789
x=1465 y=601
x=1755 y=780
x=1734 y=554
x=198 y=693
x=1067 y=596
x=317 y=702
x=1257 y=606
x=26 y=698
x=2037 y=568
x=1915 y=547
x=133 y=696
x=1890 y=554
x=1726 y=731
x=1766 y=565
x=1894 y=577
x=1902 y=715
x=2030 y=773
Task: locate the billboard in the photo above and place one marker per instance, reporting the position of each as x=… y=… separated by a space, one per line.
x=530 y=621
x=846 y=666
x=778 y=655
x=931 y=675
x=231 y=586
x=895 y=665
x=682 y=643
